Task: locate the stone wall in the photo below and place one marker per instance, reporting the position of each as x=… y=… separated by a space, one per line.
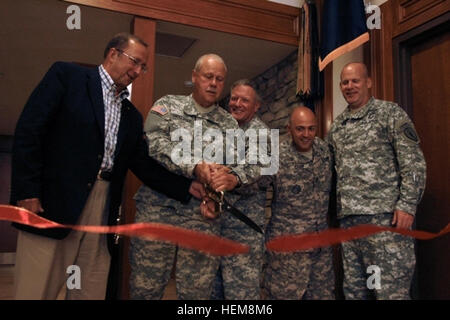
x=277 y=87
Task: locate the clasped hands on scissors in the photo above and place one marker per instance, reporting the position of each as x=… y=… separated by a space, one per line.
x=215 y=179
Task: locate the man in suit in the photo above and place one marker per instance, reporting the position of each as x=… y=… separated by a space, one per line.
x=74 y=142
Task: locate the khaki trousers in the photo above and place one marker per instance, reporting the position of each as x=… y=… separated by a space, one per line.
x=44 y=265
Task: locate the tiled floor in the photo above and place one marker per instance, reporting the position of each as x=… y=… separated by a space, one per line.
x=7 y=282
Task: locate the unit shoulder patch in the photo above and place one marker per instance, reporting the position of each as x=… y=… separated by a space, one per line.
x=407 y=130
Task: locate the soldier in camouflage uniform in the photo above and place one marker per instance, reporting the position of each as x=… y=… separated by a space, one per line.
x=300 y=204
x=239 y=276
x=381 y=174
x=175 y=129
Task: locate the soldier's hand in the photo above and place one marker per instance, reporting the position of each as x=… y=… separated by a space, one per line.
x=197 y=190
x=402 y=219
x=219 y=168
x=33 y=205
x=202 y=172
x=222 y=181
x=207 y=208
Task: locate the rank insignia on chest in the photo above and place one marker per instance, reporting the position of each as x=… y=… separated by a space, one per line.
x=162 y=110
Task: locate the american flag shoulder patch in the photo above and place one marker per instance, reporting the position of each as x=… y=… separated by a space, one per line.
x=162 y=110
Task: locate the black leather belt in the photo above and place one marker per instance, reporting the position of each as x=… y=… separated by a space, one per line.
x=104 y=175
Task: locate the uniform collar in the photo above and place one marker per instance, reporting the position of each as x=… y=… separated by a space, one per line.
x=361 y=113
x=191 y=109
x=303 y=159
x=249 y=124
x=214 y=115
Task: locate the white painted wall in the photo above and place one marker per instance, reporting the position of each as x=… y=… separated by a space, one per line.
x=299 y=3
x=356 y=55
x=375 y=2
x=339 y=103
x=293 y=3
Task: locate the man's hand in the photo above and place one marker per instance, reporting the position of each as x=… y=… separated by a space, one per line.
x=208 y=208
x=197 y=190
x=219 y=168
x=222 y=180
x=402 y=219
x=33 y=205
x=202 y=172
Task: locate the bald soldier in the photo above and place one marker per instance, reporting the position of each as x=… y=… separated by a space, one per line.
x=300 y=204
x=381 y=174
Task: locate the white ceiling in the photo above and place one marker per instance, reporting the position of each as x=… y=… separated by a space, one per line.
x=34 y=35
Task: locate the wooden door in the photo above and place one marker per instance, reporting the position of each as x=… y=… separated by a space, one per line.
x=409 y=55
x=423 y=88
x=430 y=83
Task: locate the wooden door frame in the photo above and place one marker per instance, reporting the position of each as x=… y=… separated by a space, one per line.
x=402 y=51
x=142 y=98
x=250 y=18
x=425 y=286
x=8 y=234
x=398 y=18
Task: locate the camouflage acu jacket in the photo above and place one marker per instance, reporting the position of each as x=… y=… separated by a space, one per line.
x=251 y=197
x=379 y=164
x=179 y=136
x=302 y=190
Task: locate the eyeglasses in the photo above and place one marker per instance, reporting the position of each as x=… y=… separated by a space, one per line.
x=136 y=62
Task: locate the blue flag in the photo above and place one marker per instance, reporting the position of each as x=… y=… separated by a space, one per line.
x=343 y=29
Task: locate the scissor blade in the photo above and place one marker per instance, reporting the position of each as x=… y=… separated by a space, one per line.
x=238 y=214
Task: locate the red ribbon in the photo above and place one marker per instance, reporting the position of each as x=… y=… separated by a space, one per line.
x=155 y=231
x=304 y=241
x=216 y=245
